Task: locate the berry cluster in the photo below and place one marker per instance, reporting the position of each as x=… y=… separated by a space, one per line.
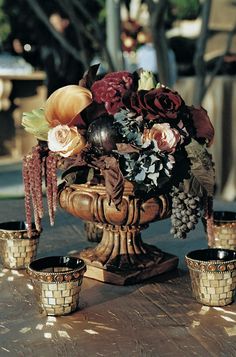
x=186 y=210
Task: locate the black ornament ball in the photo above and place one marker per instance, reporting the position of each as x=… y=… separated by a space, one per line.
x=102 y=135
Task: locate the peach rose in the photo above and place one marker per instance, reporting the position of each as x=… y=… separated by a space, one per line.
x=65 y=140
x=166 y=137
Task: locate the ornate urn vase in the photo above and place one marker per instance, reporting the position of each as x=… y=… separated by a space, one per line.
x=122 y=141
x=121 y=257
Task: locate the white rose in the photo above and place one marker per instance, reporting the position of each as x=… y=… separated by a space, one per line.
x=65 y=140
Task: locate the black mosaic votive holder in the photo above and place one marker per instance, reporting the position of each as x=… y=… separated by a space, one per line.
x=17 y=250
x=57 y=283
x=213 y=275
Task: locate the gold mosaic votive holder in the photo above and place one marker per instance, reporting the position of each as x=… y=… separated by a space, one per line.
x=17 y=250
x=57 y=283
x=213 y=275
x=224 y=230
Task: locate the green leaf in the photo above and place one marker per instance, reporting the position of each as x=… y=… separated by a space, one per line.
x=35 y=123
x=202 y=169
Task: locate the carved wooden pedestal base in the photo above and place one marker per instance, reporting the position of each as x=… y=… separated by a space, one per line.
x=168 y=263
x=122 y=258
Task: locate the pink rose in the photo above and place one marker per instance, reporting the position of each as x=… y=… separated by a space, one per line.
x=202 y=124
x=65 y=140
x=166 y=137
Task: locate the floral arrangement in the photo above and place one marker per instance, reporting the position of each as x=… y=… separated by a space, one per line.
x=123 y=126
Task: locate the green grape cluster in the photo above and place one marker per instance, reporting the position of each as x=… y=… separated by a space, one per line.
x=186 y=210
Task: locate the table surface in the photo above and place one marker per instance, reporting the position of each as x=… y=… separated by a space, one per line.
x=155 y=318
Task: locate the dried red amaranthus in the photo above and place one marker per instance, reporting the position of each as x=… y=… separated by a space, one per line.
x=208 y=215
x=26 y=180
x=36 y=165
x=32 y=175
x=38 y=180
x=51 y=184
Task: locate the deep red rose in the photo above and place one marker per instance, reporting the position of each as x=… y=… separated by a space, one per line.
x=156 y=103
x=111 y=89
x=202 y=124
x=161 y=102
x=131 y=102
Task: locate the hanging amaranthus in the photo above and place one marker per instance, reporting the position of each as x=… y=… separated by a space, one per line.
x=208 y=216
x=26 y=180
x=51 y=184
x=36 y=154
x=37 y=164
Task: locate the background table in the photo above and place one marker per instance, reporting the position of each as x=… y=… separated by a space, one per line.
x=156 y=318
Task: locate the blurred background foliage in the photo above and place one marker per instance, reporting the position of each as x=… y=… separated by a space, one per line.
x=20 y=19
x=5 y=27
x=185 y=9
x=86 y=37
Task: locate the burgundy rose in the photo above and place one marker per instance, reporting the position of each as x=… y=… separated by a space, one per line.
x=202 y=124
x=160 y=103
x=111 y=89
x=132 y=102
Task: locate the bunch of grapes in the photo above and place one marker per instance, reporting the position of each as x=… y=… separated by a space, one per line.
x=186 y=210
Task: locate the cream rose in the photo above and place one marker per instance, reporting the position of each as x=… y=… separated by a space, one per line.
x=65 y=140
x=166 y=137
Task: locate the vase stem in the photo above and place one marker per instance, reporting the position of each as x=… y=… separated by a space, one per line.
x=122 y=248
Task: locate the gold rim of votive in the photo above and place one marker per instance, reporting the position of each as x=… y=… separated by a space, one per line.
x=13 y=232
x=211 y=265
x=74 y=269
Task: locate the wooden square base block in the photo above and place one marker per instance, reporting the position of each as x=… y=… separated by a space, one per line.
x=168 y=263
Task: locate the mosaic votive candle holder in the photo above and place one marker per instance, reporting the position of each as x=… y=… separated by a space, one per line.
x=17 y=250
x=213 y=275
x=224 y=230
x=57 y=283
